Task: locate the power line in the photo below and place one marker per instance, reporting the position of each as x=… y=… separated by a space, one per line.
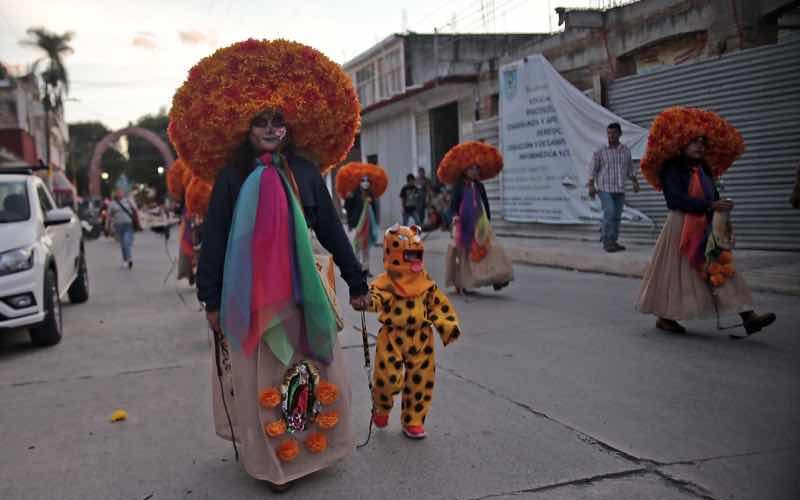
x=509 y=6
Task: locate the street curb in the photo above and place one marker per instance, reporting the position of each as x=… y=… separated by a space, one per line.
x=613 y=267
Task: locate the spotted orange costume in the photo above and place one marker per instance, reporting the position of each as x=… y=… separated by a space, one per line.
x=408 y=304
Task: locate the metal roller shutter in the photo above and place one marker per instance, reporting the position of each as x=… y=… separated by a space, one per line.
x=758 y=90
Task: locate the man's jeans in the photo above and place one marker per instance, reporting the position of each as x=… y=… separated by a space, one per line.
x=125 y=237
x=612 y=204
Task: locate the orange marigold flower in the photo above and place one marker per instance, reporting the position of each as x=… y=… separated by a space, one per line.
x=198 y=194
x=275 y=429
x=717 y=279
x=728 y=270
x=176 y=183
x=725 y=257
x=349 y=177
x=211 y=112
x=714 y=268
x=327 y=393
x=316 y=442
x=288 y=450
x=269 y=398
x=328 y=420
x=675 y=127
x=464 y=155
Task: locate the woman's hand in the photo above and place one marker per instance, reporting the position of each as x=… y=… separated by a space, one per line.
x=213 y=321
x=360 y=303
x=722 y=205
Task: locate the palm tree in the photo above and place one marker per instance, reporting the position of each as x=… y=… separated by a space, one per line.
x=54 y=76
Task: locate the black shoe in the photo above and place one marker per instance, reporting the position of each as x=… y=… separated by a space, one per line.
x=610 y=248
x=620 y=248
x=130 y=264
x=669 y=325
x=500 y=286
x=754 y=323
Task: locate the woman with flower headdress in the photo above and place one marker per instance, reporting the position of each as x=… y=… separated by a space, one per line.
x=692 y=273
x=360 y=185
x=271 y=111
x=475 y=258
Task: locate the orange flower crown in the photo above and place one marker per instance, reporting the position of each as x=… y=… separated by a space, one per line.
x=464 y=155
x=349 y=177
x=212 y=111
x=675 y=127
x=198 y=194
x=176 y=187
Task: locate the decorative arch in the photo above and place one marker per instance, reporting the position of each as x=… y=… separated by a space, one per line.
x=107 y=141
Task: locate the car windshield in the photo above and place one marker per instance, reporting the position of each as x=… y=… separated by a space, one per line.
x=14 y=206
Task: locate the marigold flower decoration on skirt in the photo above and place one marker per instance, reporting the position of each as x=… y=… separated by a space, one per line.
x=349 y=177
x=211 y=112
x=198 y=194
x=675 y=127
x=176 y=185
x=464 y=155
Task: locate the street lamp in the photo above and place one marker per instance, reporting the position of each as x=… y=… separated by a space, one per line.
x=160 y=170
x=104 y=176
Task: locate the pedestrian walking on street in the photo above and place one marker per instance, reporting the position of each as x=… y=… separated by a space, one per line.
x=475 y=258
x=361 y=184
x=611 y=167
x=692 y=273
x=281 y=388
x=411 y=196
x=426 y=192
x=122 y=217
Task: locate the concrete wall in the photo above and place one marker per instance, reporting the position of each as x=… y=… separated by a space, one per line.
x=390 y=139
x=613 y=43
x=434 y=56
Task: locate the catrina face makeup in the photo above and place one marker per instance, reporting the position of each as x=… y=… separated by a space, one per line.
x=268 y=132
x=696 y=149
x=364 y=183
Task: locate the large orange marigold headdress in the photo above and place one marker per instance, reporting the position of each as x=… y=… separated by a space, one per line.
x=674 y=128
x=177 y=180
x=464 y=155
x=212 y=111
x=350 y=175
x=198 y=194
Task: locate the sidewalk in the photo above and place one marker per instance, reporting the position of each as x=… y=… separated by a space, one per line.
x=765 y=271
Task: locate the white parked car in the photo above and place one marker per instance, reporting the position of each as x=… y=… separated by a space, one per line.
x=42 y=258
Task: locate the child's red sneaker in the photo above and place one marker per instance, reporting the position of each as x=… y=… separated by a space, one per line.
x=414 y=431
x=380 y=421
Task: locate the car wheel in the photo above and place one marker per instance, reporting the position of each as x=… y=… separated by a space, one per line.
x=79 y=290
x=48 y=332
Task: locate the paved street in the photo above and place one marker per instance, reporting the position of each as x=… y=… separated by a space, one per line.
x=558 y=389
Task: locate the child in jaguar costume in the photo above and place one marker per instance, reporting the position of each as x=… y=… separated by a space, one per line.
x=408 y=304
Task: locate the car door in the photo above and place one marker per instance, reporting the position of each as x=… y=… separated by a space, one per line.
x=59 y=235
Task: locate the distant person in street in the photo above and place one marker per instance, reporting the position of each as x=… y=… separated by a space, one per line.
x=692 y=273
x=426 y=193
x=795 y=198
x=475 y=258
x=121 y=214
x=611 y=167
x=361 y=184
x=411 y=195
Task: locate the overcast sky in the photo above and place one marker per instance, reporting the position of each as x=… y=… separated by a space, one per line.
x=131 y=56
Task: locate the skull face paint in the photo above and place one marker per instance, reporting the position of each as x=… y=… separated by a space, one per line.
x=268 y=132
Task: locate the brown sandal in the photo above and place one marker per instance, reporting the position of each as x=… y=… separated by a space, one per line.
x=670 y=325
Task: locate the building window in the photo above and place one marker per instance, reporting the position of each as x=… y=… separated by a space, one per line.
x=390 y=74
x=365 y=83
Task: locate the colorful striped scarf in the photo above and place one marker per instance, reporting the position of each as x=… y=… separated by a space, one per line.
x=271 y=289
x=696 y=226
x=366 y=233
